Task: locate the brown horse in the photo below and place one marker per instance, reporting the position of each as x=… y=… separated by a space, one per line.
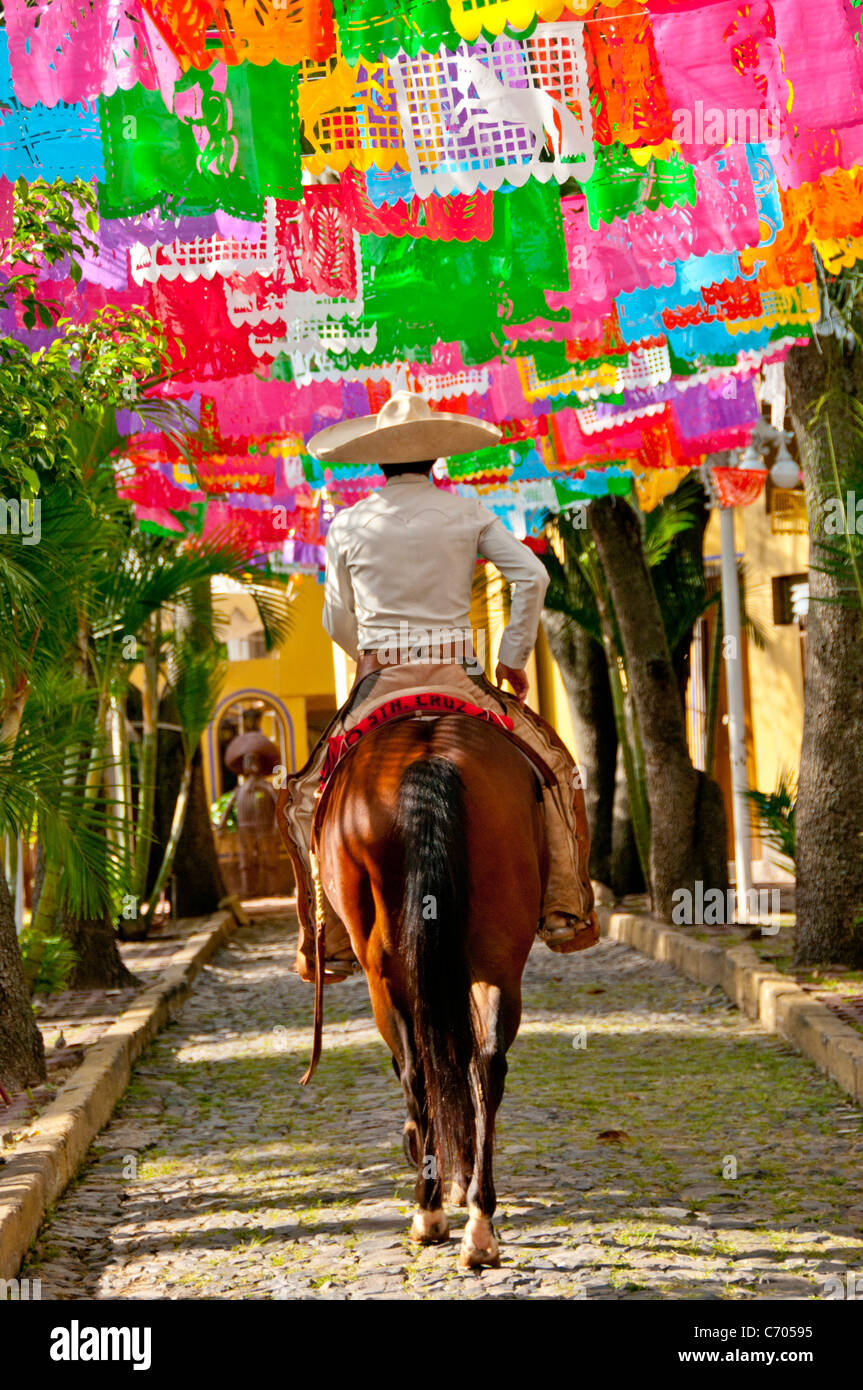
x=432 y=851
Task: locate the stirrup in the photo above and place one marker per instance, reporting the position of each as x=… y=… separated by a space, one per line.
x=568 y=933
x=341 y=967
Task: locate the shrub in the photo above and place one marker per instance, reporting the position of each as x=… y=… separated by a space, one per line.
x=48 y=961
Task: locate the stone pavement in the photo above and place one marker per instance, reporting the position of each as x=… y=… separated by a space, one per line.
x=652 y=1143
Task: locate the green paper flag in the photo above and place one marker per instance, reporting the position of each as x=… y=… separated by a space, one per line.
x=238 y=147
x=619 y=187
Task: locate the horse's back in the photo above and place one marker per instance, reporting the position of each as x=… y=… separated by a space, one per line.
x=503 y=821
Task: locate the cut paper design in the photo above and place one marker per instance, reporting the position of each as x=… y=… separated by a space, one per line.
x=460 y=216
x=840 y=255
x=203 y=154
x=592 y=418
x=282 y=316
x=444 y=386
x=75 y=50
x=796 y=305
x=828 y=208
x=647 y=365
x=371 y=29
x=56 y=142
x=625 y=255
x=471 y=17
x=349 y=117
x=715 y=416
x=722 y=66
x=120 y=233
x=207 y=257
x=311 y=244
x=494 y=113
x=328 y=244
x=422 y=292
x=246 y=31
x=823 y=129
x=738 y=487
x=631 y=105
x=620 y=187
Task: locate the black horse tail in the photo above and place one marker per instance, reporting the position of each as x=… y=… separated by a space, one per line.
x=433 y=827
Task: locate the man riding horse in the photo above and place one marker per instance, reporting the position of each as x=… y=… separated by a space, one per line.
x=400 y=565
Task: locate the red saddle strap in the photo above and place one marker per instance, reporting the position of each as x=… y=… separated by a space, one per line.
x=401 y=707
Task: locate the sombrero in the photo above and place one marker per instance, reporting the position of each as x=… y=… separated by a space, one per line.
x=258 y=745
x=406 y=430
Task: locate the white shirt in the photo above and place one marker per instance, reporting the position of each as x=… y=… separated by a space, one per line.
x=402 y=561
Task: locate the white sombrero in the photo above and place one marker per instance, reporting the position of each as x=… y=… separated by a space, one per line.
x=407 y=430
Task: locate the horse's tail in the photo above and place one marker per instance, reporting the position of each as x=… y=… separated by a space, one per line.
x=433 y=827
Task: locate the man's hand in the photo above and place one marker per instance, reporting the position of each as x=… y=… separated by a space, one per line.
x=517 y=679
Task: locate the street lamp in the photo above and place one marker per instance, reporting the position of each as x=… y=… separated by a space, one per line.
x=733 y=654
x=785 y=473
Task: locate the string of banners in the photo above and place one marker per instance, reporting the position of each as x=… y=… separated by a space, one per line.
x=591 y=224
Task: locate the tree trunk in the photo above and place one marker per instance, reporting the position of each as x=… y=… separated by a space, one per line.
x=197 y=873
x=626 y=876
x=687 y=839
x=22 y=1053
x=829 y=817
x=98 y=963
x=581 y=662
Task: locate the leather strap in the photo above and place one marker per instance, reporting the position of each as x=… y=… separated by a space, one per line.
x=540 y=766
x=369 y=662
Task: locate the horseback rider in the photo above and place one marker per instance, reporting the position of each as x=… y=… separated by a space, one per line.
x=399 y=571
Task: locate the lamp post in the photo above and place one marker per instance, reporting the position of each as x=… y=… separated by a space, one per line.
x=733 y=654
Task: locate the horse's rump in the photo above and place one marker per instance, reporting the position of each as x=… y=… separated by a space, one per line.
x=504 y=830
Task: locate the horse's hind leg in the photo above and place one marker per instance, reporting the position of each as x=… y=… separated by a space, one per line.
x=461 y=1181
x=429 y=1224
x=479 y=1244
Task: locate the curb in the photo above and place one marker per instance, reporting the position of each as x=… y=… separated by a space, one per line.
x=42 y=1165
x=762 y=993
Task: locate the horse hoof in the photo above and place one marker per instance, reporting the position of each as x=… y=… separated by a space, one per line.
x=479 y=1245
x=430 y=1227
x=457 y=1194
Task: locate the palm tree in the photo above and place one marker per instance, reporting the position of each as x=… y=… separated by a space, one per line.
x=578 y=592
x=66 y=602
x=825 y=381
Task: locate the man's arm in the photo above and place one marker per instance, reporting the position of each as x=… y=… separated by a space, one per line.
x=529 y=581
x=339 y=617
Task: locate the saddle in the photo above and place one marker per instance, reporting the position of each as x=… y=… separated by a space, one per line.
x=422 y=705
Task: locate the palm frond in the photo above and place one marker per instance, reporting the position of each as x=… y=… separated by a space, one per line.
x=42 y=780
x=198 y=675
x=776 y=813
x=274 y=605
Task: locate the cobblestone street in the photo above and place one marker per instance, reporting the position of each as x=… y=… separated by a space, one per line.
x=652 y=1143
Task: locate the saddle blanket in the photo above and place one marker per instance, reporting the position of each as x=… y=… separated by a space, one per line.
x=424 y=703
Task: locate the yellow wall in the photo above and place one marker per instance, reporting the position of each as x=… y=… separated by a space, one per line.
x=553 y=702
x=776 y=675
x=300 y=674
x=305 y=659
x=775 y=696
